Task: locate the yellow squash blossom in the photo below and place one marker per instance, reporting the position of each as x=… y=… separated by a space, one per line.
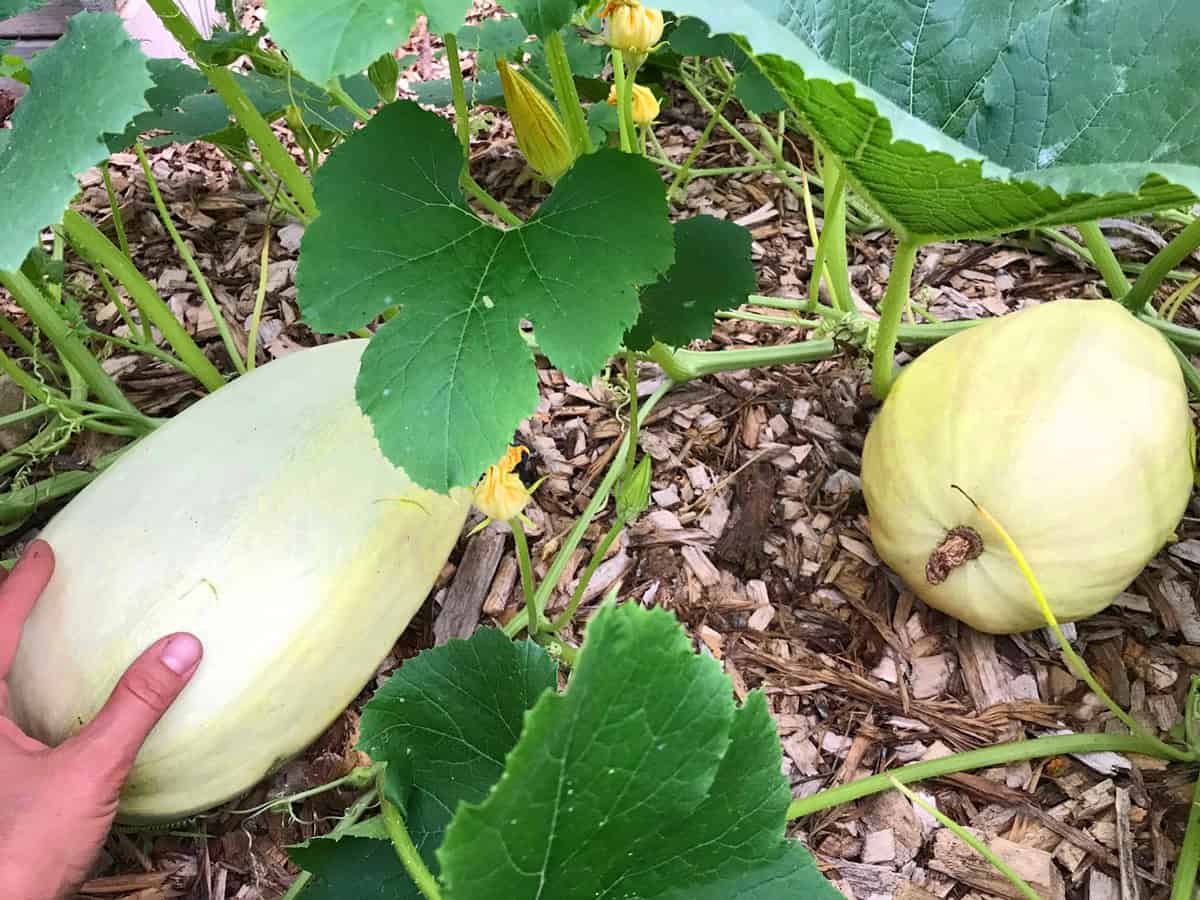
x=633 y=27
x=645 y=104
x=500 y=495
x=540 y=133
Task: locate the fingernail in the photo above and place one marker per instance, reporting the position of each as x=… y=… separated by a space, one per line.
x=181 y=654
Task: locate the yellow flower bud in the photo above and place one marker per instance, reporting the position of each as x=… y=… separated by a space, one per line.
x=633 y=27
x=540 y=133
x=500 y=494
x=645 y=104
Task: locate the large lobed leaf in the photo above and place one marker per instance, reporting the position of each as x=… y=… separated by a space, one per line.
x=448 y=380
x=643 y=780
x=58 y=128
x=444 y=724
x=961 y=118
x=327 y=38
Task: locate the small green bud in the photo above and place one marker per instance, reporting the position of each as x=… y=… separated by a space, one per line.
x=635 y=492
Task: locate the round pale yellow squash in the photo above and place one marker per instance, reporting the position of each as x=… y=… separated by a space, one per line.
x=265 y=520
x=1069 y=423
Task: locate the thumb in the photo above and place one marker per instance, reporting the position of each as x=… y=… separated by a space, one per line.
x=148 y=687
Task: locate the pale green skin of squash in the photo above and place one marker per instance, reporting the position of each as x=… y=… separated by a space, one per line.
x=265 y=520
x=1069 y=423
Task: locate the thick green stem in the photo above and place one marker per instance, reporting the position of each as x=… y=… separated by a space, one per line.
x=894 y=301
x=393 y=820
x=1184 y=886
x=74 y=353
x=525 y=564
x=1180 y=247
x=986 y=758
x=1190 y=375
x=599 y=499
x=782 y=321
x=833 y=235
x=1104 y=259
x=624 y=101
x=685 y=365
x=90 y=242
x=256 y=127
x=185 y=253
x=832 y=200
x=462 y=121
x=566 y=93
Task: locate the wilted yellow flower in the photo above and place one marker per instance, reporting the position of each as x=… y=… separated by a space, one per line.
x=633 y=27
x=645 y=104
x=540 y=133
x=500 y=494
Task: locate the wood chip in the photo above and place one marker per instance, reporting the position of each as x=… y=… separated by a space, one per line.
x=460 y=612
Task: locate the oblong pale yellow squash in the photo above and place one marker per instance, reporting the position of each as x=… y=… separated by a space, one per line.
x=265 y=520
x=1069 y=423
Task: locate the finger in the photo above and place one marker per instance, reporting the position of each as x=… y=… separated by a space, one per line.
x=18 y=593
x=148 y=687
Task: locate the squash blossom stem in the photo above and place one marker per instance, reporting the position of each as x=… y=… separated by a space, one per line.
x=599 y=499
x=624 y=102
x=462 y=121
x=533 y=615
x=894 y=301
x=488 y=202
x=566 y=94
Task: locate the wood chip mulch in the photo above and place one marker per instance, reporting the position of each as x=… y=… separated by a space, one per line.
x=758 y=540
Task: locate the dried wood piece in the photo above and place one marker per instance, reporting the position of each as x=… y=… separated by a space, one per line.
x=502 y=586
x=1102 y=887
x=460 y=613
x=987 y=681
x=954 y=858
x=742 y=544
x=879 y=847
x=1125 y=847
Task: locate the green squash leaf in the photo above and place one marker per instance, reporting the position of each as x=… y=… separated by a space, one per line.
x=57 y=128
x=444 y=724
x=10 y=9
x=324 y=38
x=447 y=381
x=541 y=17
x=713 y=270
x=485 y=90
x=643 y=780
x=183 y=107
x=690 y=37
x=966 y=122
x=354 y=868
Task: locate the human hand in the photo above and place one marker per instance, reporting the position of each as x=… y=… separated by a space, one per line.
x=57 y=804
